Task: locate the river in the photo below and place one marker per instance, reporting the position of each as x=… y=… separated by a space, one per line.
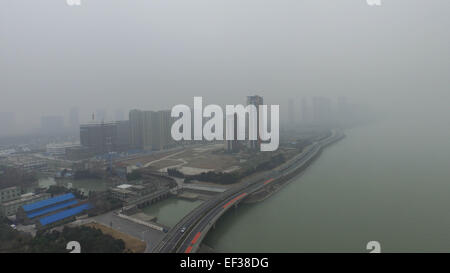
x=171 y=210
x=388 y=182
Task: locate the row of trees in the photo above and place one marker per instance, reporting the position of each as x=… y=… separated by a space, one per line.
x=12 y=240
x=175 y=173
x=216 y=177
x=91 y=240
x=134 y=175
x=102 y=204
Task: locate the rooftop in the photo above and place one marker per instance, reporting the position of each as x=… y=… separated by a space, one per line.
x=48 y=202
x=124 y=186
x=51 y=209
x=24 y=198
x=64 y=214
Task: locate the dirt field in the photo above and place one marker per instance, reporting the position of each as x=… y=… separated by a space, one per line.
x=212 y=161
x=146 y=159
x=165 y=163
x=204 y=158
x=132 y=244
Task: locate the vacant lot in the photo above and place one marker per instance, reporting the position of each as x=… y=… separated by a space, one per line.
x=165 y=163
x=148 y=158
x=193 y=160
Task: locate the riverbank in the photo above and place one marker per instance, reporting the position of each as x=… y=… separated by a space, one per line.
x=281 y=182
x=381 y=182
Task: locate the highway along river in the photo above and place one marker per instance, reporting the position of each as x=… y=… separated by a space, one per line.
x=388 y=181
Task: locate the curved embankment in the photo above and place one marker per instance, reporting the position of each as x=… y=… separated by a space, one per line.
x=198 y=222
x=282 y=181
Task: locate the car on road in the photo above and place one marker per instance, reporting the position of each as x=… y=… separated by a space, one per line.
x=183 y=229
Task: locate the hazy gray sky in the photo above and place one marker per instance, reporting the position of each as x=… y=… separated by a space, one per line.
x=152 y=54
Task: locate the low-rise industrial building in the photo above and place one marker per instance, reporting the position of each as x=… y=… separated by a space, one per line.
x=142 y=193
x=27 y=163
x=125 y=192
x=52 y=211
x=59 y=149
x=11 y=207
x=8 y=194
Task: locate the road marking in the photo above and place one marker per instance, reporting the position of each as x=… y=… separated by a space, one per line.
x=234 y=200
x=196 y=237
x=188 y=250
x=268 y=181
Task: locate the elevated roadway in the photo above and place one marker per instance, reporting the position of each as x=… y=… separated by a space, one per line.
x=187 y=234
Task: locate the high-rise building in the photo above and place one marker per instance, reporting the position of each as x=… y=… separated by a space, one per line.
x=106 y=137
x=136 y=119
x=232 y=146
x=150 y=130
x=123 y=135
x=165 y=125
x=99 y=137
x=147 y=137
x=257 y=101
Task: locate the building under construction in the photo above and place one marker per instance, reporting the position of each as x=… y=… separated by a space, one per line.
x=101 y=138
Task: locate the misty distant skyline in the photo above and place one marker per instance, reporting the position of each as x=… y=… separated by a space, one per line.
x=121 y=55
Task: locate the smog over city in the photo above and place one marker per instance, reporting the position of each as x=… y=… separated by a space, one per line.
x=219 y=127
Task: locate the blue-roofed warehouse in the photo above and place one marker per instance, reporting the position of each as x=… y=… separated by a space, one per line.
x=65 y=214
x=52 y=210
x=48 y=202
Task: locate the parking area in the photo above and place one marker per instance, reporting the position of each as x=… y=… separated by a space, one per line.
x=151 y=236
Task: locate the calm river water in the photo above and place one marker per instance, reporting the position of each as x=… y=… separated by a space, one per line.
x=388 y=181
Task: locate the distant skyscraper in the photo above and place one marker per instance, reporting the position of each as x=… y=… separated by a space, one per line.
x=165 y=125
x=232 y=146
x=136 y=119
x=147 y=137
x=123 y=135
x=99 y=137
x=150 y=130
x=257 y=101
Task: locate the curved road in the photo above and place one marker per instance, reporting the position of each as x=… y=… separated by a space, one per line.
x=186 y=236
